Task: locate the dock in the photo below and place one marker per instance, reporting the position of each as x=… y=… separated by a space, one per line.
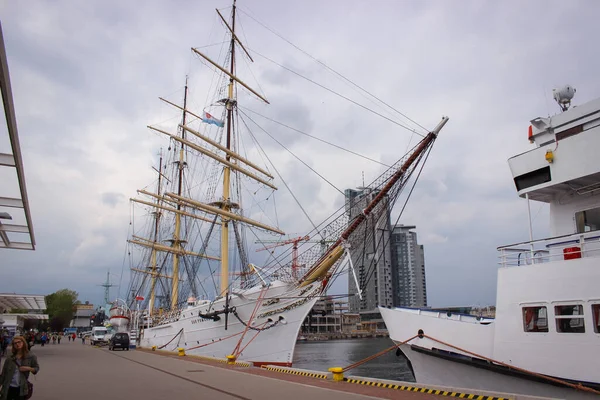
x=73 y=370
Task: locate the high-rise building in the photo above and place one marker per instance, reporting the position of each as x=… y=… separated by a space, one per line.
x=372 y=258
x=408 y=268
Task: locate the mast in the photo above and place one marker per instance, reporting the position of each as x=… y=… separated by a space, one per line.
x=225 y=206
x=153 y=256
x=176 y=235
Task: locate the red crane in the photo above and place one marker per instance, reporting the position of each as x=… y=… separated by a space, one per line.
x=293 y=242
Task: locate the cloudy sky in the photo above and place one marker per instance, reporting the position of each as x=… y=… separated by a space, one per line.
x=86 y=77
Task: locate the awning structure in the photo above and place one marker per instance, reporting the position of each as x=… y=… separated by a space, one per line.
x=14 y=205
x=29 y=316
x=28 y=302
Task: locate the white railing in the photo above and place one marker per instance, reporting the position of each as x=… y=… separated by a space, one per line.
x=566 y=247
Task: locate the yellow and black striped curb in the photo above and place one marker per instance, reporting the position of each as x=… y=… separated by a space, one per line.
x=295 y=372
x=206 y=358
x=220 y=360
x=425 y=390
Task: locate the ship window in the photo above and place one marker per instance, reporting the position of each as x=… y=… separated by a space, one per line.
x=535 y=319
x=588 y=220
x=533 y=178
x=596 y=314
x=569 y=319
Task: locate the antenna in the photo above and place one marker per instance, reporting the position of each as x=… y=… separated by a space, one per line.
x=563 y=96
x=106 y=285
x=363 y=177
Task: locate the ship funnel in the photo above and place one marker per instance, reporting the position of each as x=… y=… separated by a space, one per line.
x=563 y=96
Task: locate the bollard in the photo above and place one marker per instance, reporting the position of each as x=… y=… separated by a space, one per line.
x=338 y=373
x=181 y=351
x=153 y=348
x=230 y=359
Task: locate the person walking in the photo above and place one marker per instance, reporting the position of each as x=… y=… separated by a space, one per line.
x=14 y=379
x=44 y=338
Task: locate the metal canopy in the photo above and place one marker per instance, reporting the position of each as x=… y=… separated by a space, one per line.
x=12 y=161
x=29 y=302
x=29 y=316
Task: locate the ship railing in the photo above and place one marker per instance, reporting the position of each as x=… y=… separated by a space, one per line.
x=565 y=247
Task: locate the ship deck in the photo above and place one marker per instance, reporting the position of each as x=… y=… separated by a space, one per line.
x=77 y=371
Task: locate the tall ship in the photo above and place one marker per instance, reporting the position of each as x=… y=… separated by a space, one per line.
x=544 y=339
x=193 y=284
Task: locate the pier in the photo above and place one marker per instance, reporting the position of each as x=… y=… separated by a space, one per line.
x=72 y=370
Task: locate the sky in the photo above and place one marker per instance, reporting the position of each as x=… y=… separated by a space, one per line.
x=86 y=77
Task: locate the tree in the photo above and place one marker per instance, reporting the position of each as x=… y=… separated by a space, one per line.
x=61 y=308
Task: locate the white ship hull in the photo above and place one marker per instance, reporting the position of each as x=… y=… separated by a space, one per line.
x=433 y=363
x=119 y=322
x=432 y=370
x=203 y=336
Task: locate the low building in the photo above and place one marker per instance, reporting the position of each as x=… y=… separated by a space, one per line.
x=83 y=316
x=325 y=316
x=28 y=307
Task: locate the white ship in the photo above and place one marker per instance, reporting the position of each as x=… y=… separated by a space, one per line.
x=545 y=339
x=199 y=226
x=119 y=316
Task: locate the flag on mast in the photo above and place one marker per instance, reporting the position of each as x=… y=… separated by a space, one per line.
x=209 y=119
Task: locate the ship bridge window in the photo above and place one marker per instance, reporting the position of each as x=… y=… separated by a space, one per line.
x=569 y=318
x=533 y=178
x=596 y=314
x=535 y=319
x=588 y=220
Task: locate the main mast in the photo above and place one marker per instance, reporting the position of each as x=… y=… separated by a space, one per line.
x=176 y=235
x=226 y=205
x=157 y=214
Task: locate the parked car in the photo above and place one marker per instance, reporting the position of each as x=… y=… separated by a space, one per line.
x=99 y=335
x=120 y=341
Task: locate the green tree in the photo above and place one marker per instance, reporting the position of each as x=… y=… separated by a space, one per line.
x=61 y=308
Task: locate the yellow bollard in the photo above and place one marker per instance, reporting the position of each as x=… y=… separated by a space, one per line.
x=230 y=359
x=338 y=373
x=153 y=348
x=181 y=351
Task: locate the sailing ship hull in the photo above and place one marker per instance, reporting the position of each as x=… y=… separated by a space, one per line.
x=280 y=310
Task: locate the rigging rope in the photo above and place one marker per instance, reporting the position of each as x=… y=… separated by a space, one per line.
x=281 y=177
x=292 y=153
x=334 y=71
x=339 y=94
x=314 y=137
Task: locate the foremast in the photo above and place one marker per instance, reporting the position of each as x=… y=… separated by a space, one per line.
x=226 y=203
x=176 y=244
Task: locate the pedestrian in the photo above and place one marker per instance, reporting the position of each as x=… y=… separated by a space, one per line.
x=73 y=336
x=82 y=341
x=59 y=337
x=44 y=338
x=14 y=378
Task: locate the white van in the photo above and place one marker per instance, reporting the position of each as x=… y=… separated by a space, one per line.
x=99 y=335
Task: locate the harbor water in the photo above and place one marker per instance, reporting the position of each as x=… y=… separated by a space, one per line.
x=322 y=355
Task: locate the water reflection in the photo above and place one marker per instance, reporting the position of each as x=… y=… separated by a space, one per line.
x=320 y=356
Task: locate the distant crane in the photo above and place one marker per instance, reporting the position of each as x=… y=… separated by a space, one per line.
x=294 y=242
